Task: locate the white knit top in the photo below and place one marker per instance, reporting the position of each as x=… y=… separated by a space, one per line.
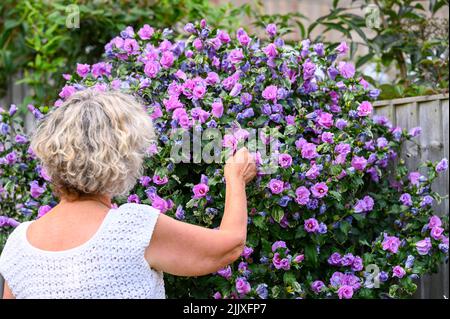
x=111 y=264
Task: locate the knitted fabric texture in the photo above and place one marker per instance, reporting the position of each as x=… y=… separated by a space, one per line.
x=111 y=264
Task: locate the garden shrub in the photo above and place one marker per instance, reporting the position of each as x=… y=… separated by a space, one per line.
x=339 y=216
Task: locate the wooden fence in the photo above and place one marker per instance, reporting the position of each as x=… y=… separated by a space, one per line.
x=431 y=114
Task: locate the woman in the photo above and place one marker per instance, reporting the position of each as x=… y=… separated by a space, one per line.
x=92 y=147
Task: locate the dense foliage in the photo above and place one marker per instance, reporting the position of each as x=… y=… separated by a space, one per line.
x=405 y=36
x=41 y=39
x=339 y=210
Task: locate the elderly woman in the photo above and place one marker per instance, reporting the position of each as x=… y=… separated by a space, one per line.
x=93 y=147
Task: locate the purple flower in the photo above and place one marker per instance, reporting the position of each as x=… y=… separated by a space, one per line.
x=67 y=91
x=131 y=47
x=20 y=139
x=270 y=50
x=83 y=69
x=200 y=190
x=179 y=213
x=285 y=160
x=12 y=109
x=299 y=258
x=332 y=73
x=151 y=69
x=423 y=246
x=146 y=32
x=435 y=221
x=364 y=205
x=442 y=166
x=133 y=198
x=398 y=272
x=319 y=49
x=158 y=180
x=223 y=36
x=341 y=124
x=359 y=163
x=43 y=210
x=217 y=295
x=145 y=180
x=382 y=142
x=161 y=204
x=271 y=29
x=323 y=229
x=230 y=141
x=127 y=33
x=365 y=109
x=225 y=272
x=309 y=69
x=414 y=178
x=236 y=56
x=281 y=263
x=328 y=137
x=197 y=43
x=217 y=108
x=426 y=201
x=236 y=90
x=415 y=131
x=347 y=259
x=347 y=70
x=36 y=190
x=342 y=48
x=335 y=259
x=357 y=264
x=302 y=195
x=391 y=243
x=437 y=232
x=309 y=151
x=246 y=253
x=319 y=190
x=317 y=286
x=313 y=172
x=276 y=186
x=262 y=291
x=325 y=120
x=243 y=37
x=278 y=244
x=167 y=59
x=7 y=221
x=406 y=199
x=100 y=69
x=189 y=28
x=199 y=92
x=270 y=93
x=311 y=225
x=345 y=292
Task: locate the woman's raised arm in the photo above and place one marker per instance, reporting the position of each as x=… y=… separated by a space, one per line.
x=184 y=249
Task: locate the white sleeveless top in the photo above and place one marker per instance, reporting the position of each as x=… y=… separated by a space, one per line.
x=111 y=264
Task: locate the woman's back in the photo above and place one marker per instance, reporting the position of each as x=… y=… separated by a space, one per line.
x=111 y=264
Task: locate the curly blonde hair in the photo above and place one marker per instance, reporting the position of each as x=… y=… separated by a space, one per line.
x=94 y=143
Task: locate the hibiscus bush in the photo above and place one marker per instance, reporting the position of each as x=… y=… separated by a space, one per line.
x=333 y=212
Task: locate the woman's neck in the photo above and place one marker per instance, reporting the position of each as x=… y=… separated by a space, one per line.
x=103 y=199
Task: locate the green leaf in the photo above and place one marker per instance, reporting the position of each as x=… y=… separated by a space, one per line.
x=260 y=222
x=289 y=278
x=277 y=214
x=345 y=227
x=336 y=195
x=311 y=254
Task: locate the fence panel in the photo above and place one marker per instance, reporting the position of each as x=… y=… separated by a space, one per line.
x=431 y=114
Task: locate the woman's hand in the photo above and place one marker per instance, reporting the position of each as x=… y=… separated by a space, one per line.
x=240 y=166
